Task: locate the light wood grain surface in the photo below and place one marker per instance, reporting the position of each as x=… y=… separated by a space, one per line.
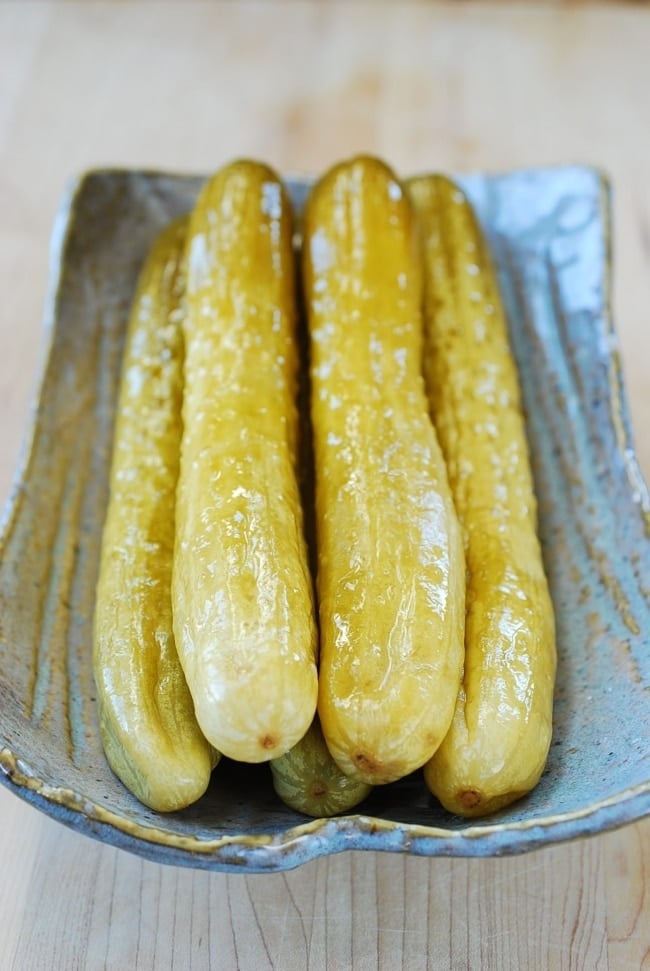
x=187 y=86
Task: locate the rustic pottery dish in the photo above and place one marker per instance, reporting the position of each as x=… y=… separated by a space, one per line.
x=550 y=232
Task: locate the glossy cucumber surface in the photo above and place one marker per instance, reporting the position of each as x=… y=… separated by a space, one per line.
x=150 y=735
x=499 y=739
x=242 y=592
x=391 y=580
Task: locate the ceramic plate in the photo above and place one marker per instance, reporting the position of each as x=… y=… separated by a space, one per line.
x=550 y=233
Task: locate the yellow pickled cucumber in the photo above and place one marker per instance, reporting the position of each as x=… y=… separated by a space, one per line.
x=391 y=577
x=242 y=592
x=308 y=779
x=150 y=735
x=498 y=742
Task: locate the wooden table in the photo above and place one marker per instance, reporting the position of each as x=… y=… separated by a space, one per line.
x=186 y=86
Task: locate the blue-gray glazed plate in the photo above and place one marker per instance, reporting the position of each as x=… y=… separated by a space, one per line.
x=550 y=232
